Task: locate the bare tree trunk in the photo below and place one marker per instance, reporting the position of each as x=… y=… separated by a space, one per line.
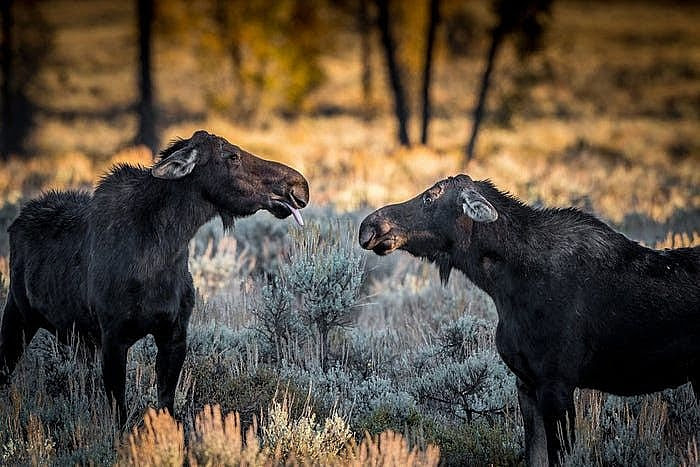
x=147 y=127
x=323 y=344
x=496 y=40
x=365 y=50
x=433 y=20
x=6 y=90
x=400 y=106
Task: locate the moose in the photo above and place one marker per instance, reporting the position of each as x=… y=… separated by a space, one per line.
x=579 y=305
x=112 y=266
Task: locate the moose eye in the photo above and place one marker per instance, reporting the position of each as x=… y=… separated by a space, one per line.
x=232 y=154
x=431 y=195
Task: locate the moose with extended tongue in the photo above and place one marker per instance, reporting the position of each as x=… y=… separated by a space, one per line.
x=112 y=265
x=579 y=305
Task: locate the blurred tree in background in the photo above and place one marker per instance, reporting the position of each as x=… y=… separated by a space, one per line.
x=393 y=71
x=252 y=59
x=147 y=118
x=6 y=91
x=26 y=40
x=522 y=19
x=363 y=22
x=258 y=56
x=433 y=19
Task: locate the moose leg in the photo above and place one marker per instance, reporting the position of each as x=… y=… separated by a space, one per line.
x=172 y=347
x=556 y=404
x=15 y=332
x=114 y=373
x=171 y=356
x=535 y=438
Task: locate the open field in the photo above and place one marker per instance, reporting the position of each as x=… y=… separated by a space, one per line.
x=606 y=117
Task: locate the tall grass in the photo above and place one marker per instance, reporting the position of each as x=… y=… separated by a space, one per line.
x=220 y=439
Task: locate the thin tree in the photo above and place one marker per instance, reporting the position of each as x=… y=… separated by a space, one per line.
x=433 y=20
x=6 y=90
x=389 y=46
x=363 y=24
x=518 y=17
x=26 y=42
x=147 y=126
x=496 y=40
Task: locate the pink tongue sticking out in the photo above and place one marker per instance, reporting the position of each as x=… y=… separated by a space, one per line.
x=296 y=213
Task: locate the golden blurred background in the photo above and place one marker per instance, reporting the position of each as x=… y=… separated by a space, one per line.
x=595 y=104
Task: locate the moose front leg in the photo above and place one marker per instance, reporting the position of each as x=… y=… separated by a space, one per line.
x=114 y=353
x=172 y=347
x=535 y=437
x=15 y=334
x=171 y=356
x=555 y=402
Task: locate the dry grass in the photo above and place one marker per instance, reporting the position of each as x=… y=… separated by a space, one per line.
x=679 y=240
x=390 y=449
x=569 y=170
x=25 y=177
x=218 y=439
x=160 y=441
x=693 y=457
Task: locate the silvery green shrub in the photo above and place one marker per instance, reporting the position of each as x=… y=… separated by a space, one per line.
x=278 y=324
x=368 y=352
x=218 y=344
x=465 y=336
x=476 y=386
x=325 y=275
x=612 y=434
x=352 y=395
x=462 y=374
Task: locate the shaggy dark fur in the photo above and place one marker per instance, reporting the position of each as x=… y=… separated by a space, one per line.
x=113 y=265
x=579 y=304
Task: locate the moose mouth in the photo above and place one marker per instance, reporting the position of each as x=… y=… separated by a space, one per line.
x=384 y=245
x=282 y=209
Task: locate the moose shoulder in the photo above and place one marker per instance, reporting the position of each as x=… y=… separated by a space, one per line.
x=579 y=304
x=113 y=265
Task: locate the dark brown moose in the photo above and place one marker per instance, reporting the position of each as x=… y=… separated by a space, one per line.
x=113 y=265
x=579 y=304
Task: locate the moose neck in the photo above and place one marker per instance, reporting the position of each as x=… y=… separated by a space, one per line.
x=161 y=215
x=525 y=243
x=504 y=244
x=181 y=213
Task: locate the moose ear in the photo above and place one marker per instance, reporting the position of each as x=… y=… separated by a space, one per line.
x=475 y=206
x=176 y=165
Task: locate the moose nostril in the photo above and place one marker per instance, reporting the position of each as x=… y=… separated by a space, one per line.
x=366 y=236
x=300 y=194
x=383 y=228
